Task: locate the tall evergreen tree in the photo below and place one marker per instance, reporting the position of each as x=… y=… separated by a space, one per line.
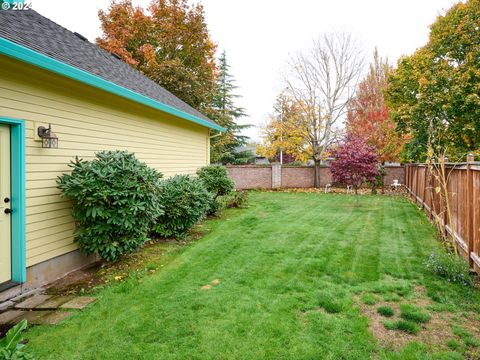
x=224 y=146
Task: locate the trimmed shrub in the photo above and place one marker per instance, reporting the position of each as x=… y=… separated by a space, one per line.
x=115 y=202
x=216 y=180
x=185 y=201
x=451 y=267
x=238 y=199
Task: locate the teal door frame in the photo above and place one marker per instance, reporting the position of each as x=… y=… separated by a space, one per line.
x=18 y=200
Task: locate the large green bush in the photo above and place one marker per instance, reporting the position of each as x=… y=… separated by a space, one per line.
x=115 y=201
x=185 y=200
x=216 y=180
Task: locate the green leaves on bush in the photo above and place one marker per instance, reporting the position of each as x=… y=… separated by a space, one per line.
x=216 y=180
x=185 y=201
x=115 y=201
x=11 y=345
x=238 y=199
x=451 y=267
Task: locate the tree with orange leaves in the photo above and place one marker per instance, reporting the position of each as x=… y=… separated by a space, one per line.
x=169 y=42
x=368 y=116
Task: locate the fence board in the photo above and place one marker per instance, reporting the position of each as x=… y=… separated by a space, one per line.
x=463 y=184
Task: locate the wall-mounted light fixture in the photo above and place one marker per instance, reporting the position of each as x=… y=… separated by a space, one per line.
x=49 y=139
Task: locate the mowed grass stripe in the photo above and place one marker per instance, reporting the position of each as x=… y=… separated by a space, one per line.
x=275 y=261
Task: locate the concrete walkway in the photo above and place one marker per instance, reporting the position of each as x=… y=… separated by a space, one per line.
x=39 y=308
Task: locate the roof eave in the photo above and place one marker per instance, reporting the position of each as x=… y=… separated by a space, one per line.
x=29 y=56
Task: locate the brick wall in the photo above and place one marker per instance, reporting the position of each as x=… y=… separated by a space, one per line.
x=394 y=172
x=297 y=177
x=251 y=176
x=260 y=176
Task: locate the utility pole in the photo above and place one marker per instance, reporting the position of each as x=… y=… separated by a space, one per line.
x=281 y=131
x=281 y=138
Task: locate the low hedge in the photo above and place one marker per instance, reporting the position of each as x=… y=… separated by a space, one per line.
x=216 y=180
x=185 y=201
x=114 y=202
x=117 y=200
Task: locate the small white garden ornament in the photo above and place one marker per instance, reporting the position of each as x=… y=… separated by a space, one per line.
x=396 y=184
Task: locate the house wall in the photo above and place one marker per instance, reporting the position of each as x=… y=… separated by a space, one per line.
x=86 y=120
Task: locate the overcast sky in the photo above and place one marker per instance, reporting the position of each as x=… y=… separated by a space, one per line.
x=259 y=35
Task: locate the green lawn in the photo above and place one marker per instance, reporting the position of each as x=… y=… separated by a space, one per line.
x=290 y=276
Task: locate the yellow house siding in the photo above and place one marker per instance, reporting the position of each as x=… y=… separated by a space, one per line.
x=86 y=121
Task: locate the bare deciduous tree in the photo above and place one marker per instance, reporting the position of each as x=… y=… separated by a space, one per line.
x=323 y=80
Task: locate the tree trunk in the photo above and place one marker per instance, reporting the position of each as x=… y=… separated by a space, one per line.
x=316 y=182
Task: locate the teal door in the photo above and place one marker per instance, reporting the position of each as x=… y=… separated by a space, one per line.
x=5 y=210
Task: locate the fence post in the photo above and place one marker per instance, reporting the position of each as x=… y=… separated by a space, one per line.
x=470 y=208
x=276 y=175
x=424 y=191
x=445 y=197
x=405 y=177
x=427 y=191
x=417 y=177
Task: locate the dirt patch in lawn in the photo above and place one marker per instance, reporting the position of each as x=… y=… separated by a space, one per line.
x=434 y=333
x=420 y=297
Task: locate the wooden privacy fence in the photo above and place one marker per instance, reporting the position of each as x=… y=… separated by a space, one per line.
x=462 y=222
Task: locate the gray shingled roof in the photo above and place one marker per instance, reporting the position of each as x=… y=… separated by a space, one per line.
x=34 y=31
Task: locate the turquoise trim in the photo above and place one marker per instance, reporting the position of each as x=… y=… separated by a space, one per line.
x=17 y=154
x=31 y=57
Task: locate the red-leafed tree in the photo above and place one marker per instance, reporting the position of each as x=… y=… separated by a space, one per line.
x=355 y=163
x=368 y=115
